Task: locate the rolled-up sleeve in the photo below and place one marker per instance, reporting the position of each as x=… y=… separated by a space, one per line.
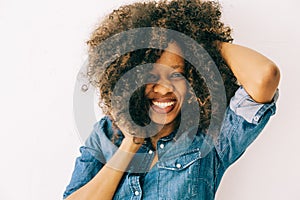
x=244 y=120
x=89 y=163
x=86 y=167
x=243 y=105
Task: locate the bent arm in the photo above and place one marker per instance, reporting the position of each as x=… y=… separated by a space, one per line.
x=106 y=181
x=255 y=72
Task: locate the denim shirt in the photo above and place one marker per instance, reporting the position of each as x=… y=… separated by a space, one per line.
x=188 y=169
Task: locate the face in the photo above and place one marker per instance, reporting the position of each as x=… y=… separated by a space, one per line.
x=167 y=91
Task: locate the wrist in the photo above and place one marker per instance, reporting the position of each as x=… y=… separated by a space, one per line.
x=128 y=145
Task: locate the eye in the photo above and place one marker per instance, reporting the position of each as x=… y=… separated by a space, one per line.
x=152 y=78
x=176 y=76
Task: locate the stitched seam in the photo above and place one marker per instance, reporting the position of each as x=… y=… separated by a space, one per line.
x=233 y=130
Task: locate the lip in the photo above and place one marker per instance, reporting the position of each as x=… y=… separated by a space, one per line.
x=163 y=106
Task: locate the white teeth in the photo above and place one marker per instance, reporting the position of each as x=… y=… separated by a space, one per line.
x=163 y=104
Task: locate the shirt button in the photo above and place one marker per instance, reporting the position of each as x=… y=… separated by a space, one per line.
x=178 y=165
x=161 y=146
x=256 y=118
x=150 y=152
x=136 y=193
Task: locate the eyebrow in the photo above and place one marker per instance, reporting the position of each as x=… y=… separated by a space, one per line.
x=177 y=66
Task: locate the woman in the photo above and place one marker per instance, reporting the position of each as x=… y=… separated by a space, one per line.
x=166 y=161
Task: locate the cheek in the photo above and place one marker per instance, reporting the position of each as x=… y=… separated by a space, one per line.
x=148 y=89
x=181 y=88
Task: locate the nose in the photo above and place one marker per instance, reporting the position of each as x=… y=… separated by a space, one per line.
x=163 y=87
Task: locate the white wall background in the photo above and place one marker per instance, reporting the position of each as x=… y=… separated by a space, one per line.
x=42 y=47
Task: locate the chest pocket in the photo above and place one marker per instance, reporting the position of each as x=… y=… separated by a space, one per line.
x=180 y=162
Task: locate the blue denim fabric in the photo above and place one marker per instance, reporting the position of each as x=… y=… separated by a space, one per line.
x=191 y=168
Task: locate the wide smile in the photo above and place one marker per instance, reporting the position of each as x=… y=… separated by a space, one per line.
x=163 y=106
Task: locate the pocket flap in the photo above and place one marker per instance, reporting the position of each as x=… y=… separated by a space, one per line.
x=180 y=162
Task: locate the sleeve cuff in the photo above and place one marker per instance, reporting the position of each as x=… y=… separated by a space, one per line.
x=243 y=105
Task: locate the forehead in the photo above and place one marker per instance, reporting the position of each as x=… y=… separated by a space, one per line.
x=171 y=57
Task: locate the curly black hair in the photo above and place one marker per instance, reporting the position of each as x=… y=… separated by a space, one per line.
x=197 y=19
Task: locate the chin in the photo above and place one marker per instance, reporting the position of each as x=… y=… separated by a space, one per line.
x=163 y=119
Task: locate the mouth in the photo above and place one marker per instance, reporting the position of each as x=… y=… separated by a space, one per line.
x=163 y=106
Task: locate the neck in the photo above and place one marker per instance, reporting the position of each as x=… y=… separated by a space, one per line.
x=164 y=130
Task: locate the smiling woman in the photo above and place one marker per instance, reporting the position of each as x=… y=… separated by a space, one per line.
x=146 y=167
